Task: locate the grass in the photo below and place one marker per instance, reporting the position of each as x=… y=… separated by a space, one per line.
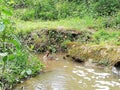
x=69 y=23
x=101 y=34
x=85 y=23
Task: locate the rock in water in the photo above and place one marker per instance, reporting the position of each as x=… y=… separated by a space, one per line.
x=116 y=70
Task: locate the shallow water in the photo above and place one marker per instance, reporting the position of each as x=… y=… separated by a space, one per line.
x=68 y=75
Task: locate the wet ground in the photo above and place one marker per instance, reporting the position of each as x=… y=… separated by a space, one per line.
x=67 y=75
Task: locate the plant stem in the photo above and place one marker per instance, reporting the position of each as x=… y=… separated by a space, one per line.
x=3 y=69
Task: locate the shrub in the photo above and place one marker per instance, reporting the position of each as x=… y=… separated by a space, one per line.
x=105 y=36
x=106 y=7
x=16 y=62
x=57 y=9
x=28 y=15
x=112 y=21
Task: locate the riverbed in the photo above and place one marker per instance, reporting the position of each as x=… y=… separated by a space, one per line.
x=64 y=74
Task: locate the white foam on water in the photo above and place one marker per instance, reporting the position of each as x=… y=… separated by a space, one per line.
x=105 y=83
x=87 y=78
x=102 y=74
x=90 y=70
x=116 y=83
x=101 y=87
x=100 y=77
x=80 y=73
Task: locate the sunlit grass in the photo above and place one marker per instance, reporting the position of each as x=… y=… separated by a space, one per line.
x=69 y=23
x=81 y=24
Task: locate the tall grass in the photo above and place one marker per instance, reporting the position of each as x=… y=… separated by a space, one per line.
x=57 y=9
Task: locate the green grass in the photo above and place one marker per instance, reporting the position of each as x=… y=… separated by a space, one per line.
x=85 y=23
x=69 y=23
x=101 y=34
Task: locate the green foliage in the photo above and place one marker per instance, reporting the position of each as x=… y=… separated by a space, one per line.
x=106 y=36
x=21 y=3
x=57 y=9
x=65 y=10
x=43 y=9
x=15 y=63
x=2 y=26
x=106 y=7
x=18 y=64
x=64 y=44
x=112 y=22
x=28 y=15
x=85 y=37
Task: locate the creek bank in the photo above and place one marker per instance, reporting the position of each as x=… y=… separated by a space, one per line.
x=54 y=40
x=76 y=43
x=102 y=55
x=22 y=65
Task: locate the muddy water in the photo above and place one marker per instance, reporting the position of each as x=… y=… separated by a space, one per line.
x=66 y=75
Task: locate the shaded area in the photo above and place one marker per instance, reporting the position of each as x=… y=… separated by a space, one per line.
x=116 y=68
x=117 y=65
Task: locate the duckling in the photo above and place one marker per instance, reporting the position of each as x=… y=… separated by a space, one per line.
x=22 y=88
x=48 y=57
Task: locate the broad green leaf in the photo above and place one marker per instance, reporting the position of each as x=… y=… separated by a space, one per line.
x=6 y=21
x=11 y=2
x=7 y=12
x=23 y=72
x=5 y=59
x=11 y=57
x=16 y=42
x=29 y=71
x=31 y=47
x=2 y=26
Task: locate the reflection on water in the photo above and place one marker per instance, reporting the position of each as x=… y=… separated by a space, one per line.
x=66 y=75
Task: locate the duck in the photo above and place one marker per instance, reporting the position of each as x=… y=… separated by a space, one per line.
x=48 y=57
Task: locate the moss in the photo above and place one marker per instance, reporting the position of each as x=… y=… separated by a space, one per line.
x=105 y=55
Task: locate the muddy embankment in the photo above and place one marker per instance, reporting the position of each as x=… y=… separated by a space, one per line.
x=54 y=40
x=75 y=43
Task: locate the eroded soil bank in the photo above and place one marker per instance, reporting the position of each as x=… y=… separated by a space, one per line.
x=76 y=43
x=54 y=40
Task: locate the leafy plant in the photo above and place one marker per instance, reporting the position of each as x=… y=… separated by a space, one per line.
x=108 y=7
x=16 y=62
x=58 y=9
x=106 y=36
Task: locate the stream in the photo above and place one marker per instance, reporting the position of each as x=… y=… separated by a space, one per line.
x=67 y=75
